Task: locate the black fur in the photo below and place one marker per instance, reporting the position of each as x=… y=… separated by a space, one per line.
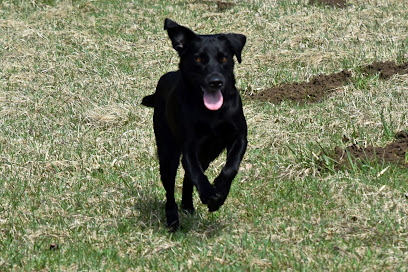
x=197 y=114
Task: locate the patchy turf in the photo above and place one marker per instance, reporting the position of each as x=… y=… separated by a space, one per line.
x=79 y=177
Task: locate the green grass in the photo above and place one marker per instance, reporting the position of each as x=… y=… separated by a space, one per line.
x=79 y=180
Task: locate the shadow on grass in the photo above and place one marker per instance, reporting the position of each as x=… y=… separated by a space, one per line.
x=150 y=214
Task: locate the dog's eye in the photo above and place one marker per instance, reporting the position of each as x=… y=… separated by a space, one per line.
x=223 y=59
x=198 y=59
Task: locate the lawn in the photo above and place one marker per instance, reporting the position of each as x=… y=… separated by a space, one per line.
x=79 y=176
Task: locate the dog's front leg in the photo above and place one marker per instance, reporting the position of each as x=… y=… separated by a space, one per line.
x=195 y=173
x=235 y=153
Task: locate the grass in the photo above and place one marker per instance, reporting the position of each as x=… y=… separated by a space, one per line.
x=79 y=181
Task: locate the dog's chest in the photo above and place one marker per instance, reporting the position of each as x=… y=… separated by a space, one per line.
x=213 y=131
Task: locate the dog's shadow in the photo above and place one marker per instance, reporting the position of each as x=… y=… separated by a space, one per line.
x=150 y=215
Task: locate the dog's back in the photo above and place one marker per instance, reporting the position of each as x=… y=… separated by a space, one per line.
x=164 y=88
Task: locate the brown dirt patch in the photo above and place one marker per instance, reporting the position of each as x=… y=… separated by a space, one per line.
x=385 y=69
x=318 y=87
x=314 y=90
x=394 y=152
x=330 y=3
x=223 y=5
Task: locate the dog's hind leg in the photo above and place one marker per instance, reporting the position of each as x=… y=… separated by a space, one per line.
x=169 y=157
x=187 y=199
x=168 y=170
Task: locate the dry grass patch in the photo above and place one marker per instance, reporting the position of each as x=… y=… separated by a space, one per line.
x=79 y=179
x=108 y=115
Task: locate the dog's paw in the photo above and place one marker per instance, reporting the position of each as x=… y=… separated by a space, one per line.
x=209 y=194
x=215 y=203
x=222 y=192
x=173 y=226
x=172 y=219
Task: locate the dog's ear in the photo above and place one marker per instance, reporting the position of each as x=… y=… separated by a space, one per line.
x=237 y=42
x=180 y=36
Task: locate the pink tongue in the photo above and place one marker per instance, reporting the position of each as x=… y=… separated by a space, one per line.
x=213 y=100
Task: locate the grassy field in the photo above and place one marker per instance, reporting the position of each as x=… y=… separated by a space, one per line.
x=79 y=178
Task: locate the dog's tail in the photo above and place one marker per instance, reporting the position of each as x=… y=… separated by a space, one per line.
x=149 y=101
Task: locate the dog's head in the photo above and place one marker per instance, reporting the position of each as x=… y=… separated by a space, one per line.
x=206 y=61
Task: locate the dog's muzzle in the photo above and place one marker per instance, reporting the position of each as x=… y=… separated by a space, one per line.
x=213 y=99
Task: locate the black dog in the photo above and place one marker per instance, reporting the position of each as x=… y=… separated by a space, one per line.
x=198 y=113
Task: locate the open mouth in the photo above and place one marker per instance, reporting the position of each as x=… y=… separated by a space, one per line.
x=213 y=100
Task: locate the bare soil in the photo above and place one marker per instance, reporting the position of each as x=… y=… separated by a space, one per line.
x=395 y=152
x=318 y=87
x=331 y=3
x=224 y=5
x=385 y=69
x=314 y=90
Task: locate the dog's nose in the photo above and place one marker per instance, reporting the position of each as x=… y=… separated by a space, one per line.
x=216 y=83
